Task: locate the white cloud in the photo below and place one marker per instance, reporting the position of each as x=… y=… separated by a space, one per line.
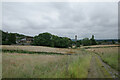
x=62 y=19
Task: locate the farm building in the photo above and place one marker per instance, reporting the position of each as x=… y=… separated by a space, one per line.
x=24 y=41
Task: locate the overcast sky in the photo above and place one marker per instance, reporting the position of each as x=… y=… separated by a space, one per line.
x=65 y=19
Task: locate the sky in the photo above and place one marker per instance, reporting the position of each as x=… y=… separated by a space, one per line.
x=65 y=19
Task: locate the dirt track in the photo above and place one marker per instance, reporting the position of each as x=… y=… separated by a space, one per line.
x=99 y=69
x=94 y=70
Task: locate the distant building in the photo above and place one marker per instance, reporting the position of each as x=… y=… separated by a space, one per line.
x=24 y=41
x=74 y=40
x=75 y=37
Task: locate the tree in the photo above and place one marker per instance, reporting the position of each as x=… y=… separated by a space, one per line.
x=43 y=39
x=8 y=38
x=78 y=43
x=99 y=42
x=104 y=41
x=113 y=42
x=85 y=42
x=47 y=39
x=118 y=40
x=0 y=37
x=92 y=41
x=12 y=38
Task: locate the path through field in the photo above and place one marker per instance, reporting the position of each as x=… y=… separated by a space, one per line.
x=99 y=69
x=80 y=63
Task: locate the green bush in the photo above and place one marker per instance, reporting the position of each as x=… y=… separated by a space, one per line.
x=85 y=42
x=47 y=39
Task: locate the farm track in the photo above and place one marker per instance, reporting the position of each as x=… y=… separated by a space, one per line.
x=94 y=70
x=99 y=69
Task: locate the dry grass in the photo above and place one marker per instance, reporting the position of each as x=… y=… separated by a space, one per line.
x=104 y=50
x=14 y=57
x=38 y=49
x=45 y=66
x=22 y=65
x=97 y=46
x=108 y=55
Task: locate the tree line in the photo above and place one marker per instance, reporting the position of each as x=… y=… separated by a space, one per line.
x=8 y=38
x=47 y=39
x=86 y=42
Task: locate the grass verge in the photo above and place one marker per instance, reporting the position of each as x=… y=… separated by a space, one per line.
x=109 y=56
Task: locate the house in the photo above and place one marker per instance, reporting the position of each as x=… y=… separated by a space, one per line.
x=24 y=41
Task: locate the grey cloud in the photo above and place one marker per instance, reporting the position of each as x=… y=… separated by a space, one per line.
x=62 y=19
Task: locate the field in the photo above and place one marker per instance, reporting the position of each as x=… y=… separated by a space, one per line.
x=44 y=66
x=73 y=63
x=108 y=55
x=38 y=49
x=100 y=46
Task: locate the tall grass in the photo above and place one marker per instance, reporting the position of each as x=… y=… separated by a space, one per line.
x=109 y=56
x=45 y=66
x=79 y=67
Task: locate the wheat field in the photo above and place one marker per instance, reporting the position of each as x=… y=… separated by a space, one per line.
x=38 y=49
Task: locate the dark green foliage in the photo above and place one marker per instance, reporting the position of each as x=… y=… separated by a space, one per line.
x=118 y=40
x=0 y=37
x=85 y=42
x=43 y=39
x=19 y=36
x=8 y=38
x=92 y=41
x=99 y=42
x=113 y=42
x=11 y=38
x=47 y=39
x=78 y=43
x=62 y=42
x=105 y=41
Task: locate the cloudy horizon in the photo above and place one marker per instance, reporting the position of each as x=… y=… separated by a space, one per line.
x=65 y=19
